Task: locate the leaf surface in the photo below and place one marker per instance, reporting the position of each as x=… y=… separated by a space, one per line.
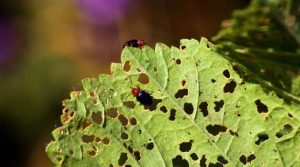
x=206 y=111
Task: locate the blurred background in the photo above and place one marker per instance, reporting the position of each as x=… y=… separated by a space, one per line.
x=48 y=46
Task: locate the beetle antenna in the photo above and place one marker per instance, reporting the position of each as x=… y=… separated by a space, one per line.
x=130 y=82
x=131 y=87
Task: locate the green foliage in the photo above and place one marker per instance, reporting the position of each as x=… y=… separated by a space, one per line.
x=265 y=37
x=206 y=111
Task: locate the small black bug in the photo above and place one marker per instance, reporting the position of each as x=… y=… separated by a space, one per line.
x=142 y=96
x=136 y=43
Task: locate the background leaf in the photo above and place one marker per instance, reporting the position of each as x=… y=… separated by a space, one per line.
x=207 y=111
x=264 y=37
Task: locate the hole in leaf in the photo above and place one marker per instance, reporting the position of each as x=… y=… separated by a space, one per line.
x=67 y=116
x=232 y=133
x=188 y=108
x=229 y=87
x=92 y=94
x=203 y=161
x=251 y=157
x=150 y=146
x=181 y=93
x=163 y=109
x=290 y=115
x=126 y=66
x=98 y=139
x=123 y=158
x=218 y=105
x=95 y=101
x=261 y=138
x=207 y=45
x=97 y=117
x=129 y=104
x=133 y=121
x=183 y=82
x=222 y=160
x=143 y=79
x=172 y=114
x=124 y=136
x=112 y=112
x=261 y=107
x=178 y=61
x=215 y=129
x=88 y=138
x=279 y=134
x=71 y=152
x=105 y=141
x=153 y=106
x=178 y=161
x=286 y=130
x=203 y=107
x=186 y=146
x=123 y=120
x=58 y=158
x=83 y=124
x=130 y=149
x=212 y=80
x=137 y=155
x=243 y=159
x=226 y=73
x=182 y=47
x=92 y=152
x=128 y=165
x=194 y=156
x=155 y=69
x=217 y=164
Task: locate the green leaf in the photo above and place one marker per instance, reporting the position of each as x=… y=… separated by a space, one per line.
x=262 y=38
x=206 y=111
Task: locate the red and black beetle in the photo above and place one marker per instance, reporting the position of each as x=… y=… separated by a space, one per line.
x=136 y=43
x=142 y=96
